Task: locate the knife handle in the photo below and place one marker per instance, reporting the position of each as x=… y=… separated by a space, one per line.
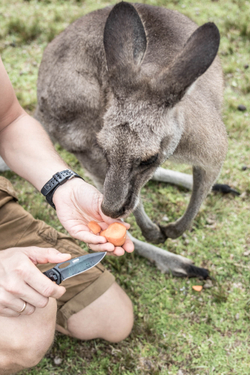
x=53 y=275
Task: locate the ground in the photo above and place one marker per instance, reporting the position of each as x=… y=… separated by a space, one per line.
x=177 y=331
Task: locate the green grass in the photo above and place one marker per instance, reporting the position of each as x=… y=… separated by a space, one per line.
x=177 y=331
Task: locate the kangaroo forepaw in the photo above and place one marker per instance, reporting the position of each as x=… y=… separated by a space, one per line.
x=154 y=235
x=172 y=230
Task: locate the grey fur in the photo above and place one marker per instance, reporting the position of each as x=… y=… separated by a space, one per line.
x=126 y=87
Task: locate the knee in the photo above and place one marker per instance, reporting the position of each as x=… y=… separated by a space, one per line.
x=25 y=354
x=110 y=317
x=119 y=320
x=27 y=350
x=122 y=322
x=16 y=359
x=35 y=350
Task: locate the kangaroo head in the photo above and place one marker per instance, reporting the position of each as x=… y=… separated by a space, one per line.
x=142 y=125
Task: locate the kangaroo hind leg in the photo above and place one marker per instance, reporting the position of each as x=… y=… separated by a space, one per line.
x=168 y=262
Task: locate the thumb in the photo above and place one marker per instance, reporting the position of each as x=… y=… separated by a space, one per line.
x=40 y=255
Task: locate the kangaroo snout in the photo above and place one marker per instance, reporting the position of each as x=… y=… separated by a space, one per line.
x=113 y=211
x=117 y=205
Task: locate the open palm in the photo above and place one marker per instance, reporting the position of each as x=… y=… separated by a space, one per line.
x=77 y=203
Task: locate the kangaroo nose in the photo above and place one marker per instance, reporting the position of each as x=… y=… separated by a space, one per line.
x=112 y=212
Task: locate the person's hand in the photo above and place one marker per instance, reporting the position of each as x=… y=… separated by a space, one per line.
x=77 y=203
x=21 y=281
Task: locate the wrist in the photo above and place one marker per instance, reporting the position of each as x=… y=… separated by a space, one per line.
x=57 y=180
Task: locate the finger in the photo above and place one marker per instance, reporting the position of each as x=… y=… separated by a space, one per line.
x=19 y=290
x=16 y=304
x=45 y=255
x=127 y=225
x=41 y=284
x=8 y=313
x=109 y=247
x=119 y=251
x=89 y=237
x=32 y=297
x=128 y=246
x=29 y=309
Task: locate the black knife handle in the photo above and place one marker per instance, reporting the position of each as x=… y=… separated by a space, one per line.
x=53 y=275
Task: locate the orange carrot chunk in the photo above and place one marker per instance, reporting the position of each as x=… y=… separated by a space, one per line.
x=115 y=234
x=197 y=288
x=94 y=227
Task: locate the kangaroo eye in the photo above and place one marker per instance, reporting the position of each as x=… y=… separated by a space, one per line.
x=149 y=161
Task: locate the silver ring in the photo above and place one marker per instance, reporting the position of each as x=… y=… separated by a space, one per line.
x=24 y=307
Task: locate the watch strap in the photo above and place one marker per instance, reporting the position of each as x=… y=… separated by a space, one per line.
x=58 y=179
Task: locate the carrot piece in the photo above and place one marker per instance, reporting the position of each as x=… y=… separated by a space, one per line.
x=115 y=234
x=94 y=227
x=197 y=288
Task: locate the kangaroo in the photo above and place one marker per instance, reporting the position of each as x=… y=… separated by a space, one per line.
x=127 y=87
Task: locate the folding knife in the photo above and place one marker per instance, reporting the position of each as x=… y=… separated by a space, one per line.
x=73 y=267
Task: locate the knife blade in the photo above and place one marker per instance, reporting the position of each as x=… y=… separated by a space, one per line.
x=73 y=267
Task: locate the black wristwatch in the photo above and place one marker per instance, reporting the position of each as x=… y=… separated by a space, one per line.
x=58 y=179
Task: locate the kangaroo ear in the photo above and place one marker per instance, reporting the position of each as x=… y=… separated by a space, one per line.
x=124 y=36
x=195 y=58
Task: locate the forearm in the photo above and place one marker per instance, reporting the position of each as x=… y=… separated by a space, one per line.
x=28 y=151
